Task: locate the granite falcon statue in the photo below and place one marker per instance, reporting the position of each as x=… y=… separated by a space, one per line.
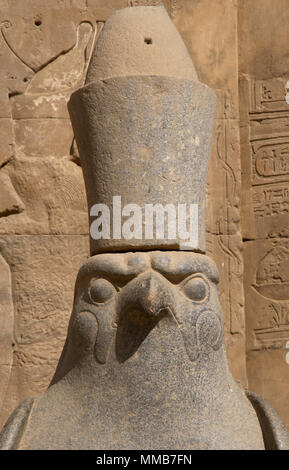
x=144 y=365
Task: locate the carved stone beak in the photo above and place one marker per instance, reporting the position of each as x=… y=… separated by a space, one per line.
x=149 y=294
x=141 y=306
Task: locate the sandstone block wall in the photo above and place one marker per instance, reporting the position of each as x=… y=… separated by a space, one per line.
x=239 y=49
x=264 y=112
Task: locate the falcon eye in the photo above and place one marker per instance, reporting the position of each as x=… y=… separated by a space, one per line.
x=196 y=289
x=100 y=290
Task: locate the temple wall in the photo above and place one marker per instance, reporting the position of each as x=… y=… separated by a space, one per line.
x=44 y=52
x=213 y=43
x=264 y=113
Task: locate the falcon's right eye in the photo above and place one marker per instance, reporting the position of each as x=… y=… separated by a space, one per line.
x=196 y=289
x=100 y=290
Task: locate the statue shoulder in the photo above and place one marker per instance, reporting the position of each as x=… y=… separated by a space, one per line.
x=275 y=434
x=11 y=434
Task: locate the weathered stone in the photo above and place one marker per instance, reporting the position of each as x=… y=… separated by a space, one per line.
x=10 y=202
x=27 y=34
x=209 y=30
x=48 y=91
x=36 y=197
x=263 y=46
x=52 y=105
x=219 y=47
x=264 y=114
x=212 y=41
x=265 y=154
x=6 y=327
x=7 y=141
x=18 y=78
x=54 y=137
x=43 y=269
x=227 y=252
x=165 y=137
x=52 y=197
x=151 y=359
x=13 y=72
x=224 y=219
x=268 y=376
x=5 y=111
x=144 y=363
x=162 y=147
x=133 y=44
x=267 y=321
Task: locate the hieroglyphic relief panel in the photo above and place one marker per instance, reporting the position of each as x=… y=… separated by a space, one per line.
x=267 y=293
x=43 y=270
x=265 y=158
x=267 y=320
x=224 y=239
x=271 y=202
x=268 y=199
x=270 y=159
x=41 y=125
x=223 y=216
x=265 y=218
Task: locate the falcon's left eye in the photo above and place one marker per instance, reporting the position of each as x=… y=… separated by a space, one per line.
x=101 y=290
x=196 y=289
